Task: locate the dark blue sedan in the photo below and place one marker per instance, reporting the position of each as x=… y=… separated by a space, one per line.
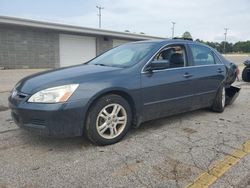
x=125 y=86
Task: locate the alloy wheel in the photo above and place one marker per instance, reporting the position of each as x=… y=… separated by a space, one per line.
x=111 y=121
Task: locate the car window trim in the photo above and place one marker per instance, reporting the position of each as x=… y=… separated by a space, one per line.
x=150 y=60
x=214 y=54
x=194 y=66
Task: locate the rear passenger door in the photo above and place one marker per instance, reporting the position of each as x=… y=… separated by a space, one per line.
x=208 y=74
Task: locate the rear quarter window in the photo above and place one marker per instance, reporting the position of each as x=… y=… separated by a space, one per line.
x=217 y=60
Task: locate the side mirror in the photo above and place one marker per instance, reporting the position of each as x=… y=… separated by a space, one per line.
x=157 y=65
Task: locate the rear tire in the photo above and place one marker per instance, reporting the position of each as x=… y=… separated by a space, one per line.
x=220 y=100
x=246 y=74
x=109 y=120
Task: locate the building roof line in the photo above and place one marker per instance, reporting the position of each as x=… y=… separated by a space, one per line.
x=71 y=28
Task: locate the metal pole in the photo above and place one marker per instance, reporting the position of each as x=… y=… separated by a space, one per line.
x=100 y=15
x=226 y=29
x=173 y=29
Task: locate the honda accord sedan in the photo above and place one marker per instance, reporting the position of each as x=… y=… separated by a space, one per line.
x=123 y=87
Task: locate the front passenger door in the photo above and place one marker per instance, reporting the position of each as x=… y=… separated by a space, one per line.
x=167 y=91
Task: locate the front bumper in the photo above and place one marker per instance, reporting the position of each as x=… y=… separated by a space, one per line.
x=57 y=120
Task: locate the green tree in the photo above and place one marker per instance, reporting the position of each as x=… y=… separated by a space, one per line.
x=242 y=47
x=238 y=47
x=228 y=47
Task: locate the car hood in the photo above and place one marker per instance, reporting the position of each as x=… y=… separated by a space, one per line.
x=62 y=76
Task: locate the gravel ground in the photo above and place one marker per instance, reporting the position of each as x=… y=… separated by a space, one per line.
x=169 y=152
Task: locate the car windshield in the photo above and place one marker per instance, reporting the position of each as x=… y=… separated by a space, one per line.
x=125 y=55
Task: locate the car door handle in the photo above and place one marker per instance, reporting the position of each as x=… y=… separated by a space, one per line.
x=220 y=71
x=187 y=75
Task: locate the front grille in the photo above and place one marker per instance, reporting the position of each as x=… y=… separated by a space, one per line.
x=18 y=95
x=21 y=95
x=37 y=121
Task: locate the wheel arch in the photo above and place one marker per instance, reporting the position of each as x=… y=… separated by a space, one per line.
x=117 y=91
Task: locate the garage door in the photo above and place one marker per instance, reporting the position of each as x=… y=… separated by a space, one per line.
x=76 y=49
x=117 y=42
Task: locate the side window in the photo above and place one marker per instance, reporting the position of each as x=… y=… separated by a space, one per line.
x=174 y=56
x=202 y=55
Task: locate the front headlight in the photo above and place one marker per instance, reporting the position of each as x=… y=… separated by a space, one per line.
x=54 y=94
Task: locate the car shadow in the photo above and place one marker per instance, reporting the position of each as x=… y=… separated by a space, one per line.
x=167 y=121
x=55 y=144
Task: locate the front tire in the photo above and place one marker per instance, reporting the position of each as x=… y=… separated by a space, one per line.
x=220 y=100
x=109 y=119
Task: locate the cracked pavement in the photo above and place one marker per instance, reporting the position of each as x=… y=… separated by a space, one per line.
x=169 y=152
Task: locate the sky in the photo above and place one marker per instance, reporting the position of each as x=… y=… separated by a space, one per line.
x=204 y=19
